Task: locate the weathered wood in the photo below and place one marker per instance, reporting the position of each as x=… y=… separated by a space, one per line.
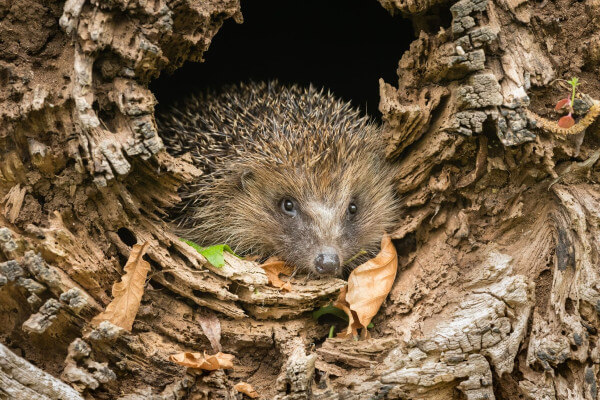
x=21 y=380
x=497 y=293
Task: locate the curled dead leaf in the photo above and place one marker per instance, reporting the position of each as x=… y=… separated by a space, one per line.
x=247 y=389
x=368 y=286
x=127 y=294
x=203 y=361
x=353 y=322
x=273 y=267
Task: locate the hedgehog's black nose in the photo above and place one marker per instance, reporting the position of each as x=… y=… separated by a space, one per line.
x=328 y=262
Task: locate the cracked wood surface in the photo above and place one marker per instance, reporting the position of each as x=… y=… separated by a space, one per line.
x=496 y=295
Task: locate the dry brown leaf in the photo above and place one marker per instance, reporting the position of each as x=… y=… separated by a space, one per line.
x=127 y=294
x=211 y=326
x=368 y=286
x=202 y=361
x=247 y=389
x=353 y=323
x=273 y=268
x=13 y=201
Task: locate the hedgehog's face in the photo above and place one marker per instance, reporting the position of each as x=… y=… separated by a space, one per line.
x=325 y=235
x=317 y=234
x=324 y=222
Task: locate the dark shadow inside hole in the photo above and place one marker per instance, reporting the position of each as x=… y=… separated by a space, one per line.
x=564 y=370
x=438 y=16
x=169 y=277
x=569 y=307
x=495 y=147
x=127 y=236
x=342 y=45
x=406 y=245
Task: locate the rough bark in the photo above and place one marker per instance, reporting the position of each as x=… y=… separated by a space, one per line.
x=497 y=296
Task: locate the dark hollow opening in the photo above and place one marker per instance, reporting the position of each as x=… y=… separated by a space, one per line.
x=127 y=236
x=341 y=45
x=436 y=17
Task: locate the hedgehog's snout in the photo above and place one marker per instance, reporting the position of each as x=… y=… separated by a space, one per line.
x=327 y=262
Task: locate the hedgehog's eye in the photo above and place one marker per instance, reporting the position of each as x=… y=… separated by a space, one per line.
x=352 y=209
x=288 y=207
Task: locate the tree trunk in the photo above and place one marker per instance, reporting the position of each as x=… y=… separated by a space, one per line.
x=498 y=293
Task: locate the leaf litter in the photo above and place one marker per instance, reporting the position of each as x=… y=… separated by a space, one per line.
x=368 y=286
x=203 y=361
x=127 y=294
x=211 y=327
x=274 y=267
x=247 y=389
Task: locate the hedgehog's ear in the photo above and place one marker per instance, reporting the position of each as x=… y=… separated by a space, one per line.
x=244 y=180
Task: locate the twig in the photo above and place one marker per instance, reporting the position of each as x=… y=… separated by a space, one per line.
x=552 y=126
x=578 y=167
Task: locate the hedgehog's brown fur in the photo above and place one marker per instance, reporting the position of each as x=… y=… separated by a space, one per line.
x=259 y=143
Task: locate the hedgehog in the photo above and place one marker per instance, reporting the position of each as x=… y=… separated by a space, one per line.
x=288 y=171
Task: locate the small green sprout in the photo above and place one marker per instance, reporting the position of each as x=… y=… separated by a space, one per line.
x=567 y=103
x=331 y=331
x=331 y=310
x=574 y=82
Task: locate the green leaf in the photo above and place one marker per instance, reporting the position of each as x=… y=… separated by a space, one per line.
x=194 y=245
x=213 y=254
x=329 y=309
x=574 y=81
